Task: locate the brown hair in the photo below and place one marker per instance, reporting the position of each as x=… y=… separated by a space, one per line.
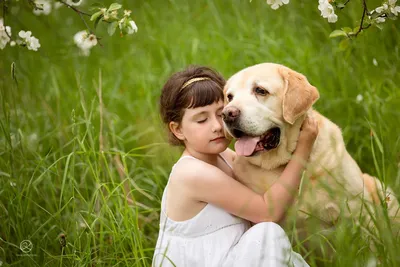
x=175 y=97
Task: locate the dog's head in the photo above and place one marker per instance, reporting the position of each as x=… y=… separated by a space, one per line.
x=260 y=102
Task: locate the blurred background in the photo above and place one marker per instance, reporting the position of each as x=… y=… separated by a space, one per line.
x=78 y=133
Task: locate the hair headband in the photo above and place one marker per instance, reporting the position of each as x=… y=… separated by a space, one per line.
x=194 y=80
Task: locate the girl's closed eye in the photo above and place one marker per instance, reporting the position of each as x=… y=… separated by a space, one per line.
x=202 y=121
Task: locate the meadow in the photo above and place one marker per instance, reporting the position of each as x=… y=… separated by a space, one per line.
x=81 y=135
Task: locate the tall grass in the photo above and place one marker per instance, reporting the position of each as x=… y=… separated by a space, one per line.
x=80 y=134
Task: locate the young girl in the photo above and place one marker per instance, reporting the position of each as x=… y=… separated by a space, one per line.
x=205 y=213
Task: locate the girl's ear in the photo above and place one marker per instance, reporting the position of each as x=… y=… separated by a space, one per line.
x=176 y=130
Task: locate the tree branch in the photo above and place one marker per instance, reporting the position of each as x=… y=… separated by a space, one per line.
x=365 y=11
x=4 y=18
x=80 y=13
x=344 y=4
x=84 y=21
x=75 y=9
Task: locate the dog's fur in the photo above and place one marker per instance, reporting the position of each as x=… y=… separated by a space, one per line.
x=334 y=184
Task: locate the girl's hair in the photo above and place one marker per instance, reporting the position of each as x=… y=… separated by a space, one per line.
x=177 y=94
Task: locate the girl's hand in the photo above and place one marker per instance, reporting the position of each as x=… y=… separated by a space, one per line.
x=307 y=136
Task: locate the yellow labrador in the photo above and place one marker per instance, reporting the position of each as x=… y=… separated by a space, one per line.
x=265 y=107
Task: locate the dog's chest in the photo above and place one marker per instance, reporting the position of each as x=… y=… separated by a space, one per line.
x=254 y=177
x=311 y=200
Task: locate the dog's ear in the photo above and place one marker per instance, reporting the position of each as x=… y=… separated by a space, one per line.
x=298 y=96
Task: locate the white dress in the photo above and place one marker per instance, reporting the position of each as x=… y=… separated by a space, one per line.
x=216 y=238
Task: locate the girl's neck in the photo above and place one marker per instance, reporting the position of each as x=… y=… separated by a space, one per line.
x=208 y=158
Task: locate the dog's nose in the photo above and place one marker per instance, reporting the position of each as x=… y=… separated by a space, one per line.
x=230 y=114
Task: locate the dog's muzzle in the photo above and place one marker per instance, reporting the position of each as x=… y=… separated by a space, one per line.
x=230 y=114
x=249 y=145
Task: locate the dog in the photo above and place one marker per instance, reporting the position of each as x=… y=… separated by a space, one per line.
x=265 y=106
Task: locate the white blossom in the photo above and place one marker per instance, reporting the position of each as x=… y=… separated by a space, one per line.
x=121 y=23
x=12 y=43
x=45 y=6
x=4 y=37
x=132 y=27
x=389 y=7
x=380 y=20
x=80 y=36
x=275 y=4
x=114 y=14
x=327 y=11
x=127 y=13
x=375 y=62
x=359 y=98
x=31 y=42
x=72 y=3
x=85 y=41
x=382 y=8
x=57 y=5
x=395 y=10
x=24 y=34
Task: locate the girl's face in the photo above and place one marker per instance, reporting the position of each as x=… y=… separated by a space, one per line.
x=202 y=129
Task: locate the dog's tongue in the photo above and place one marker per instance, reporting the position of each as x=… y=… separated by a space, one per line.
x=245 y=146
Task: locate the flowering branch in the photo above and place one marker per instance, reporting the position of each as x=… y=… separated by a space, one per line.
x=376 y=17
x=4 y=18
x=84 y=21
x=365 y=11
x=85 y=39
x=75 y=9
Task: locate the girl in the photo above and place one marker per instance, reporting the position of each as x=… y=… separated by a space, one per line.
x=205 y=213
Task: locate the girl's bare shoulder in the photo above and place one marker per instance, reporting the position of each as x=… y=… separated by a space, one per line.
x=190 y=167
x=229 y=155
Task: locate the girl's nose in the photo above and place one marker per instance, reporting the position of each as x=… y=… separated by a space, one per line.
x=217 y=125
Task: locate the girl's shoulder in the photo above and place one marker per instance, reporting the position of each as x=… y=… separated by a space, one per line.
x=188 y=166
x=229 y=155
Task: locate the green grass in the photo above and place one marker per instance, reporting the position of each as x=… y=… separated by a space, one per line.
x=57 y=177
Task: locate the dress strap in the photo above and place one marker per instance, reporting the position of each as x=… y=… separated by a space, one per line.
x=186 y=156
x=227 y=163
x=191 y=157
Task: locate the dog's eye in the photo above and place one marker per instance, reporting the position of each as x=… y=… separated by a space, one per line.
x=229 y=97
x=260 y=91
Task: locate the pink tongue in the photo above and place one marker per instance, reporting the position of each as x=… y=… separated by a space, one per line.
x=245 y=146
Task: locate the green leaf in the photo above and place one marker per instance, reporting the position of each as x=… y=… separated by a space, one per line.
x=374 y=15
x=112 y=27
x=114 y=6
x=340 y=5
x=379 y=26
x=96 y=6
x=96 y=15
x=337 y=33
x=97 y=22
x=347 y=29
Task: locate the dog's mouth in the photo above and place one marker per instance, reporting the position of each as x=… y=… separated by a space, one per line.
x=250 y=145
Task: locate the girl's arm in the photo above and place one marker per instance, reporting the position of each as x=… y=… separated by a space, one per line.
x=213 y=186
